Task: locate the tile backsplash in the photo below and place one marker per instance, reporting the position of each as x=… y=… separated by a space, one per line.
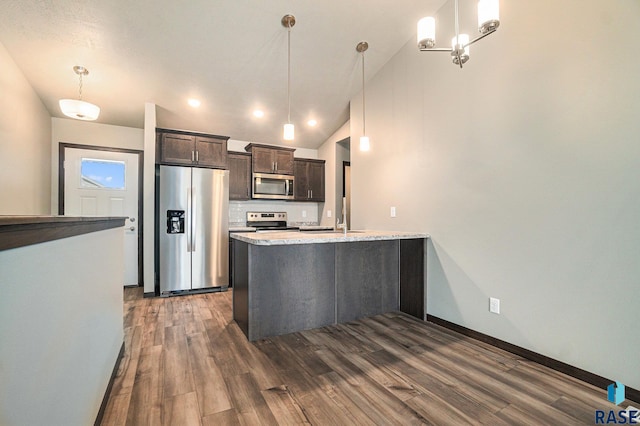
x=296 y=211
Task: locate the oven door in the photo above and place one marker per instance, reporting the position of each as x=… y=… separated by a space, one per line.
x=274 y=187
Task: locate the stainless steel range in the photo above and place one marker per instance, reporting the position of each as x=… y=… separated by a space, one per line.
x=269 y=221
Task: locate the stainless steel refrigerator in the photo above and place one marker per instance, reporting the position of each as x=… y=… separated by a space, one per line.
x=193 y=229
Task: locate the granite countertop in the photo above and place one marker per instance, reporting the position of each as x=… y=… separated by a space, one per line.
x=292 y=237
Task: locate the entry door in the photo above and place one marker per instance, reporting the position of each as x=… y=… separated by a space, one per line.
x=105 y=183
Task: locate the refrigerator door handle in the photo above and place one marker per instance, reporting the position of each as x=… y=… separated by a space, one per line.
x=189 y=227
x=194 y=217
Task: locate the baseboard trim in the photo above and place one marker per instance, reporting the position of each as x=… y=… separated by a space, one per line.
x=107 y=392
x=580 y=374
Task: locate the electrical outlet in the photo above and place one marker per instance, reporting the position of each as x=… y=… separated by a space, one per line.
x=393 y=212
x=328 y=213
x=304 y=213
x=494 y=305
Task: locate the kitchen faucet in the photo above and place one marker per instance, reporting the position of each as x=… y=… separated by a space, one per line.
x=343 y=225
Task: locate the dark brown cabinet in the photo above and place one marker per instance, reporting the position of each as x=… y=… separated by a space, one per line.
x=308 y=180
x=268 y=159
x=191 y=149
x=239 y=175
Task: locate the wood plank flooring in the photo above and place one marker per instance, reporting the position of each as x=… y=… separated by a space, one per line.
x=187 y=363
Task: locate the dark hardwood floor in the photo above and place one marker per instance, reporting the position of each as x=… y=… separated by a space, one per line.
x=187 y=363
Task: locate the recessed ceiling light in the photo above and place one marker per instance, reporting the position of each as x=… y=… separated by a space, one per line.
x=312 y=122
x=258 y=113
x=195 y=103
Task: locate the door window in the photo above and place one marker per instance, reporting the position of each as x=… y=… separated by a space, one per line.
x=102 y=174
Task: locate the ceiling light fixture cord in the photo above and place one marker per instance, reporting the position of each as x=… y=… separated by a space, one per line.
x=80 y=87
x=364 y=128
x=457 y=35
x=289 y=73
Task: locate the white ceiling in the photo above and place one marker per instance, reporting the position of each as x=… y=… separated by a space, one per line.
x=232 y=55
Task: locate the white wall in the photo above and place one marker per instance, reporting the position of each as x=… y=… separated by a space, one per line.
x=328 y=152
x=25 y=132
x=523 y=167
x=68 y=130
x=60 y=331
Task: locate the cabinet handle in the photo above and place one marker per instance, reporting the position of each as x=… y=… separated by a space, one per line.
x=197 y=156
x=276 y=166
x=248 y=193
x=193 y=156
x=311 y=193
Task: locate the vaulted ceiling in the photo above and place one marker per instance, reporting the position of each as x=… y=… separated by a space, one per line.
x=230 y=54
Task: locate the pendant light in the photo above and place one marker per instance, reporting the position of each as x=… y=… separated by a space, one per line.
x=364 y=139
x=288 y=21
x=488 y=23
x=77 y=108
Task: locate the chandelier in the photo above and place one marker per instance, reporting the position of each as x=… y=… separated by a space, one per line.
x=488 y=22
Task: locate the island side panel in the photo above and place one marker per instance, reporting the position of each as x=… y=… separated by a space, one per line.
x=241 y=285
x=291 y=288
x=412 y=289
x=367 y=279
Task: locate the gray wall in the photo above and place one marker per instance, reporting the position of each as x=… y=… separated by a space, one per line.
x=524 y=168
x=25 y=134
x=60 y=331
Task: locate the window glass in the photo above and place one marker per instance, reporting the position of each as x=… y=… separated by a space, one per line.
x=102 y=174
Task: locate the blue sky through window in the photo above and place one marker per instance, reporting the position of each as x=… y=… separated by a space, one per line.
x=102 y=174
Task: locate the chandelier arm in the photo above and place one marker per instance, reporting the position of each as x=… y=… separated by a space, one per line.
x=480 y=37
x=437 y=49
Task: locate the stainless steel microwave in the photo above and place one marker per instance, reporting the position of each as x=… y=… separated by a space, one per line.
x=273 y=187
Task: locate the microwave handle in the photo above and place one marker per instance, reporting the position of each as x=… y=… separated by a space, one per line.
x=286 y=186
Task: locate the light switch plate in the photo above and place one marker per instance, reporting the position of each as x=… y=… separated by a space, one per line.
x=304 y=213
x=393 y=212
x=328 y=213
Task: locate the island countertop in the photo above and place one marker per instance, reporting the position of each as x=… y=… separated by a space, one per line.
x=290 y=238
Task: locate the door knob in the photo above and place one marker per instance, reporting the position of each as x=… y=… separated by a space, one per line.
x=133 y=228
x=132 y=219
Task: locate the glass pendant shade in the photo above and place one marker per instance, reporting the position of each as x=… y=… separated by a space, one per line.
x=80 y=110
x=288 y=132
x=364 y=143
x=461 y=40
x=488 y=15
x=427 y=33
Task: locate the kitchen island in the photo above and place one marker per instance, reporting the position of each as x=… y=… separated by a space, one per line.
x=290 y=281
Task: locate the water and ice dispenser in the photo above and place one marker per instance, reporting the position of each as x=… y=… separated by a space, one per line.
x=175 y=221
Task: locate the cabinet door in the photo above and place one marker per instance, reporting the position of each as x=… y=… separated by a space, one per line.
x=284 y=162
x=211 y=152
x=239 y=176
x=300 y=180
x=177 y=149
x=263 y=160
x=315 y=172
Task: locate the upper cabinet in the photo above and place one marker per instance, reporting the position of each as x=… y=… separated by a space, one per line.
x=239 y=176
x=308 y=180
x=191 y=149
x=271 y=159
